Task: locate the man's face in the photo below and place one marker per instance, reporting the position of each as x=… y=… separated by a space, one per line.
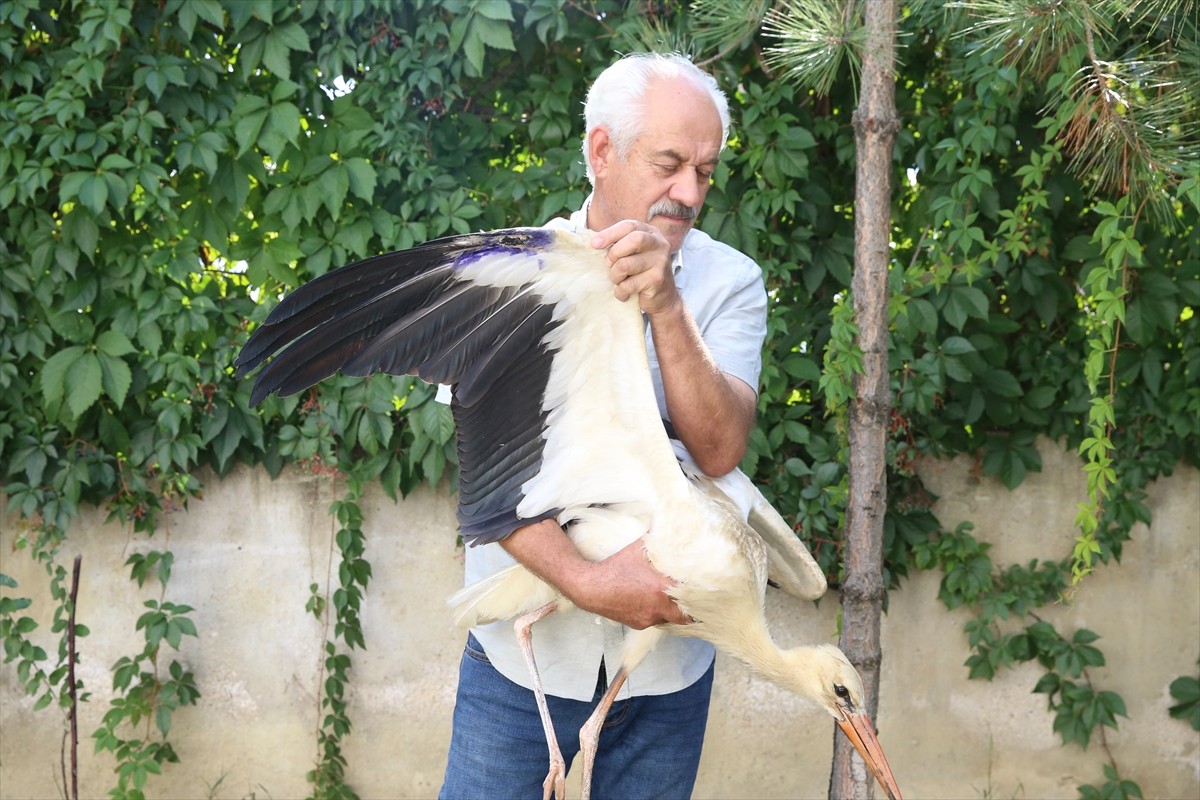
x=665 y=176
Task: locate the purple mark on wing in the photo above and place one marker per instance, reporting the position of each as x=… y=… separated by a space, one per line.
x=512 y=243
x=471 y=256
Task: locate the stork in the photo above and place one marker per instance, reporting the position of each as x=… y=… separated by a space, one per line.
x=556 y=418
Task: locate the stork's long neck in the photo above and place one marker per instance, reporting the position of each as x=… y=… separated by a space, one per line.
x=750 y=643
x=793 y=669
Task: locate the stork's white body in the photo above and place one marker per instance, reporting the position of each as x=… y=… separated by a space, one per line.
x=607 y=462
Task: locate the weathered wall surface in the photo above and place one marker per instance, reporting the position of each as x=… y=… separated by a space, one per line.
x=246 y=554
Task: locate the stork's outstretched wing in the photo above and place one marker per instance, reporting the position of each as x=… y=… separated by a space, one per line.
x=551 y=387
x=405 y=312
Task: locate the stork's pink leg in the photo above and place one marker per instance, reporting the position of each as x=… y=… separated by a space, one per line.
x=589 y=734
x=556 y=779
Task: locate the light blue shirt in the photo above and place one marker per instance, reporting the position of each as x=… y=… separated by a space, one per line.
x=724 y=291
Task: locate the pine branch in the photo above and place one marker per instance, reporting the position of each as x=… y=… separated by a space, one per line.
x=726 y=24
x=1128 y=123
x=815 y=38
x=1033 y=33
x=1131 y=127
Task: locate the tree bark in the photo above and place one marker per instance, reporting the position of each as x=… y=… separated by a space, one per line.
x=875 y=126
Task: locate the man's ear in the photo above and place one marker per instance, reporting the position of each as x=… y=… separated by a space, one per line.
x=600 y=150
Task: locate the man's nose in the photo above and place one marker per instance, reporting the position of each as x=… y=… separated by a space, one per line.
x=688 y=189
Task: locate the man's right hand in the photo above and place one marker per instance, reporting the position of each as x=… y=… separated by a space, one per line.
x=623 y=587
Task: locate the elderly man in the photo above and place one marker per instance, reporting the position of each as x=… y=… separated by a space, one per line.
x=655 y=128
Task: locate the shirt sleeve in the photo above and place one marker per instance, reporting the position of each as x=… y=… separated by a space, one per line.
x=735 y=332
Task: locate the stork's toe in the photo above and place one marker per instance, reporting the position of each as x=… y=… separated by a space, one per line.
x=555 y=785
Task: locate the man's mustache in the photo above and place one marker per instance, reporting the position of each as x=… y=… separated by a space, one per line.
x=670 y=208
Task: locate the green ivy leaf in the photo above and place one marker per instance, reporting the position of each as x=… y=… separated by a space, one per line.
x=496 y=9
x=333 y=185
x=1186 y=691
x=53 y=375
x=956 y=369
x=116 y=378
x=93 y=193
x=284 y=121
x=292 y=36
x=249 y=116
x=71 y=183
x=1001 y=382
x=114 y=343
x=162 y=720
x=963 y=303
x=82 y=383
x=83 y=230
x=361 y=177
x=956 y=346
x=276 y=56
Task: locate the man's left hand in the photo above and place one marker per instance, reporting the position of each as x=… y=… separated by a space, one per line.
x=639 y=263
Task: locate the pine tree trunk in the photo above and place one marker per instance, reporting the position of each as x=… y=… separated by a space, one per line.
x=875 y=126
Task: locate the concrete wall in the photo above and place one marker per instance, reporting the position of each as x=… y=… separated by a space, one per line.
x=246 y=554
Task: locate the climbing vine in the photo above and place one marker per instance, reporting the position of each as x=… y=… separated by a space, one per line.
x=354 y=573
x=169 y=169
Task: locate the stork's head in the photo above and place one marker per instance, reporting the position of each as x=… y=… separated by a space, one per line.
x=656 y=126
x=836 y=685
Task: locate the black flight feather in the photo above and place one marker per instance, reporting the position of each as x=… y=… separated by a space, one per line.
x=415 y=312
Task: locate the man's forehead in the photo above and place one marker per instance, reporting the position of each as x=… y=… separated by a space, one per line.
x=680 y=114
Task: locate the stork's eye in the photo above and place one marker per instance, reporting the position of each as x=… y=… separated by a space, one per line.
x=841 y=691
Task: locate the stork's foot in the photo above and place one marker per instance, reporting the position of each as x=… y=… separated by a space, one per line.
x=555 y=786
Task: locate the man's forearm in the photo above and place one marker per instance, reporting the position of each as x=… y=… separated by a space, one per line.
x=545 y=550
x=711 y=411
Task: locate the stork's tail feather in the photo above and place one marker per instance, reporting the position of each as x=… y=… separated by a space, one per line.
x=503 y=595
x=790 y=565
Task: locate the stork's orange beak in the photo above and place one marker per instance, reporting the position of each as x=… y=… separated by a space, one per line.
x=861 y=733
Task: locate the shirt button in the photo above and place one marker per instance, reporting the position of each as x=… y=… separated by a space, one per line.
x=599 y=620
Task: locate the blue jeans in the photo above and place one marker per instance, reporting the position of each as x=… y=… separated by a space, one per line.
x=649 y=746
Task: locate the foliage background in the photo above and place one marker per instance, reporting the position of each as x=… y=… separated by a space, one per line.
x=170 y=168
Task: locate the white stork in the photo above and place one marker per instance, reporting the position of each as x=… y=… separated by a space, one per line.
x=556 y=418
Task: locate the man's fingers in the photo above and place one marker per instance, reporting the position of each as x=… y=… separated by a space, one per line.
x=615 y=233
x=631 y=238
x=626 y=285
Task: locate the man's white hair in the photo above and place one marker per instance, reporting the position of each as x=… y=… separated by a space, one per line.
x=615 y=101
